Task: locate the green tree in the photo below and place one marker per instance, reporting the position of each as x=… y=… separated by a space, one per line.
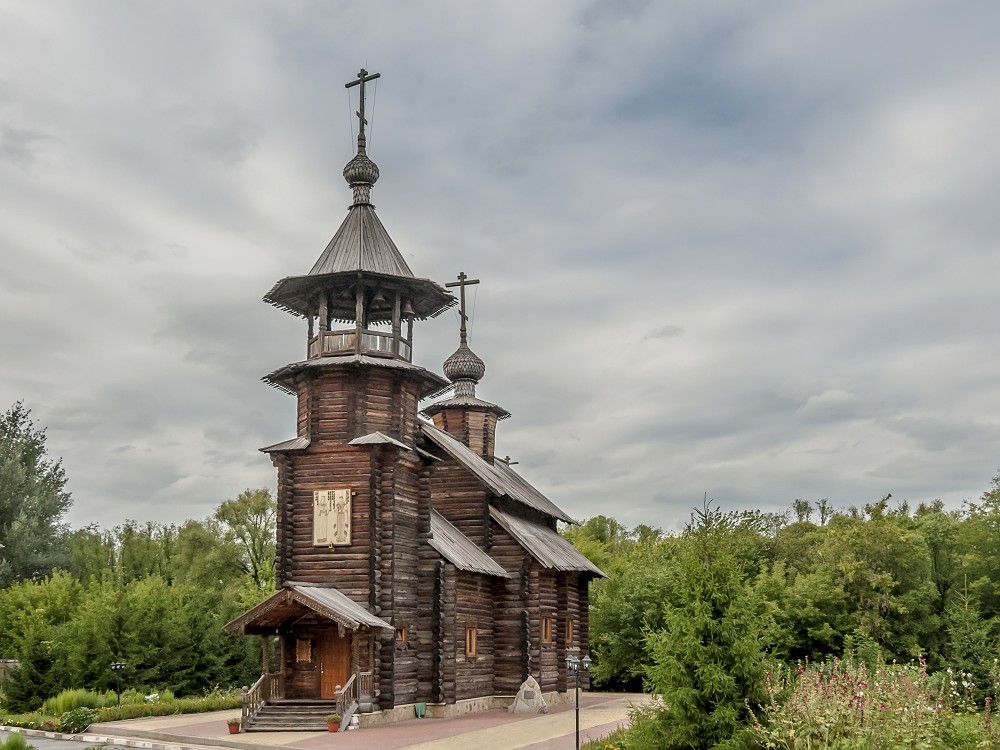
x=969 y=649
x=91 y=552
x=626 y=605
x=249 y=521
x=27 y=686
x=203 y=556
x=33 y=500
x=709 y=661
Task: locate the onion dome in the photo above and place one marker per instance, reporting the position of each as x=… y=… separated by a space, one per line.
x=361 y=170
x=361 y=173
x=464 y=365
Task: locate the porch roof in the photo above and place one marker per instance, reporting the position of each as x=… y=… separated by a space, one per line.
x=296 y=599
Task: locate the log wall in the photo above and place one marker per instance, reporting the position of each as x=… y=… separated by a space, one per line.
x=459 y=496
x=477 y=429
x=474 y=596
x=511 y=639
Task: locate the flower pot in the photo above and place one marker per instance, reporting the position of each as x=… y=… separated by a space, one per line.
x=333 y=726
x=234 y=728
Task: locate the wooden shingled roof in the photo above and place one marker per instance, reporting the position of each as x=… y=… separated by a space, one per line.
x=283 y=377
x=459 y=550
x=361 y=244
x=545 y=545
x=498 y=477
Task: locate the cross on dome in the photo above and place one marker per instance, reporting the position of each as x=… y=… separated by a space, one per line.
x=363 y=78
x=463 y=281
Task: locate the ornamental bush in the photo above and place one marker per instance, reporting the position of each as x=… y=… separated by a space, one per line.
x=77 y=720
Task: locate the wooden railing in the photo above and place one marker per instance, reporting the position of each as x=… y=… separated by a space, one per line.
x=269 y=687
x=366 y=687
x=372 y=342
x=347 y=694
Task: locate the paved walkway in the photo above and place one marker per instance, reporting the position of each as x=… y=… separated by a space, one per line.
x=600 y=714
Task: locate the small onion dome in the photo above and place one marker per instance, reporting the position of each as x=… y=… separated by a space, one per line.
x=361 y=170
x=464 y=365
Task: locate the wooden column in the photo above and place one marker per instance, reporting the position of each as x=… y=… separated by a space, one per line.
x=265 y=655
x=359 y=317
x=396 y=328
x=324 y=313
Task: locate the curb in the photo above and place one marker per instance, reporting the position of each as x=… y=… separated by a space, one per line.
x=99 y=739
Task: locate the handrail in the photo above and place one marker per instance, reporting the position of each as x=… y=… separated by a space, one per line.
x=251 y=699
x=269 y=687
x=347 y=694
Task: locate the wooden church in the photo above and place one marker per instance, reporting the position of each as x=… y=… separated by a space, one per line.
x=413 y=565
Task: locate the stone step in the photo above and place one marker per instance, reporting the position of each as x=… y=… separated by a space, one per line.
x=284 y=728
x=293 y=715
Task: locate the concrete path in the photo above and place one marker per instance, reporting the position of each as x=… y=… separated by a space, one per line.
x=600 y=714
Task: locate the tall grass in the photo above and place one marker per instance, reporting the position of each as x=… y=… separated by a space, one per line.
x=15 y=742
x=67 y=700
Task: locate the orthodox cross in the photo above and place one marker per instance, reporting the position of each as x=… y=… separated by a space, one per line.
x=463 y=281
x=506 y=460
x=363 y=77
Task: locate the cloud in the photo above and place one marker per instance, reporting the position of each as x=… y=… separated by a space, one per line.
x=665 y=332
x=21 y=146
x=816 y=227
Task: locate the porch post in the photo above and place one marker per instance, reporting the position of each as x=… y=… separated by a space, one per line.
x=265 y=655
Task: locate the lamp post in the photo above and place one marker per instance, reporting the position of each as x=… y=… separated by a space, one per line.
x=117 y=667
x=576 y=665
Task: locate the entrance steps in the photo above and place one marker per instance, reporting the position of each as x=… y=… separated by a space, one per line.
x=292 y=715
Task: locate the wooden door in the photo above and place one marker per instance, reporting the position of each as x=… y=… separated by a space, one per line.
x=334 y=663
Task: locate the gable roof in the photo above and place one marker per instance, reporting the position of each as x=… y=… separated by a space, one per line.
x=459 y=550
x=545 y=545
x=379 y=438
x=294 y=597
x=499 y=478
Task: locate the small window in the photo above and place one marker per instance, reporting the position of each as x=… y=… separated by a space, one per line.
x=547 y=629
x=402 y=636
x=303 y=650
x=569 y=632
x=471 y=642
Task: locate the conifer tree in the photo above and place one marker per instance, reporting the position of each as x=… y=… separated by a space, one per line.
x=708 y=659
x=27 y=686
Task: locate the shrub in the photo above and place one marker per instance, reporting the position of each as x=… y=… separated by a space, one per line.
x=215 y=701
x=15 y=742
x=77 y=720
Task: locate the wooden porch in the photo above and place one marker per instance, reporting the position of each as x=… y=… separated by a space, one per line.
x=267 y=709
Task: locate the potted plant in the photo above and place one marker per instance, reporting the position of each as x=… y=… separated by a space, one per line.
x=333 y=722
x=234 y=725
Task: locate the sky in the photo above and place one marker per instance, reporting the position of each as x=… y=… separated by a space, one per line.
x=745 y=251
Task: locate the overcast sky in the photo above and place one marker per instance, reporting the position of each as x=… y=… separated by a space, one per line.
x=743 y=249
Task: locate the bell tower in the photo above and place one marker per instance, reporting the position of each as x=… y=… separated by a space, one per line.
x=350 y=505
